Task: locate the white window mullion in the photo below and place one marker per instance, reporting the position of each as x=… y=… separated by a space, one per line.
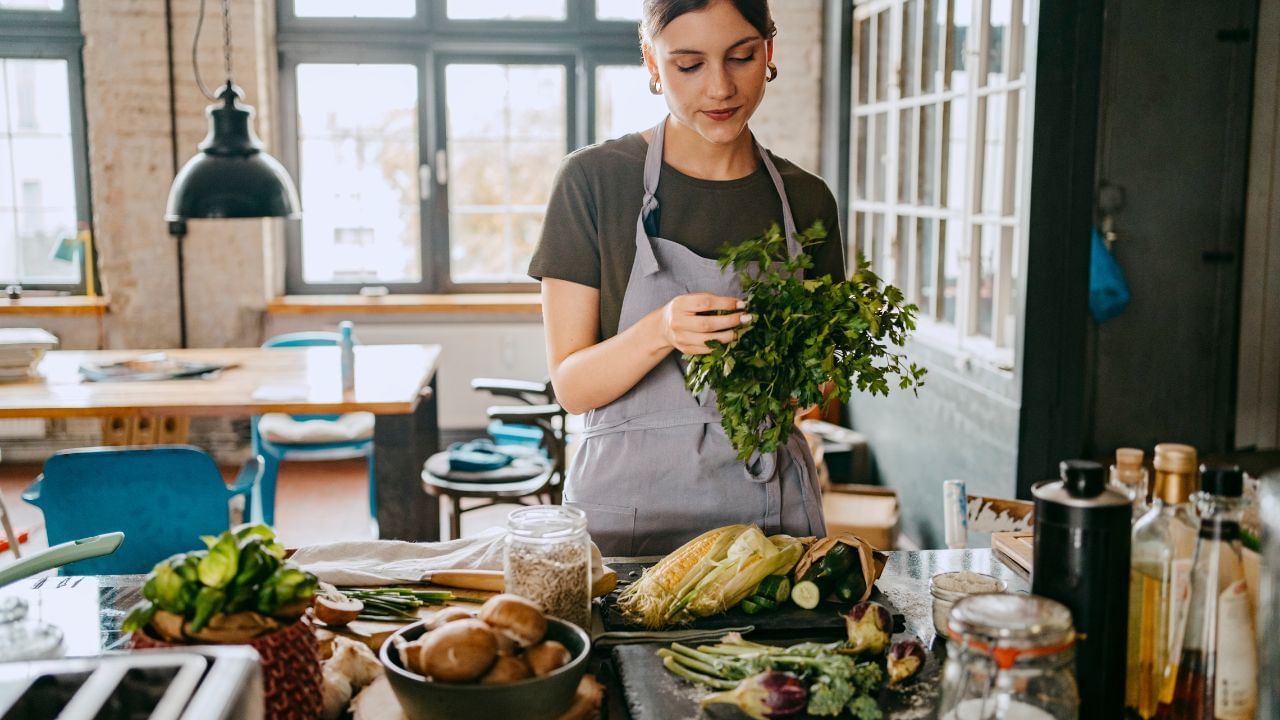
x=967 y=300
x=893 y=244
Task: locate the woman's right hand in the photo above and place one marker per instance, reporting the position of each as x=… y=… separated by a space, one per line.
x=687 y=329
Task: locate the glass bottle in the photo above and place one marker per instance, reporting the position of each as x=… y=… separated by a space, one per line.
x=1162 y=548
x=547 y=559
x=1009 y=657
x=1217 y=666
x=1129 y=476
x=347 y=353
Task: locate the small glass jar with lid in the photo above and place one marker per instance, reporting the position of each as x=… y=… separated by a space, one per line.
x=547 y=559
x=1009 y=657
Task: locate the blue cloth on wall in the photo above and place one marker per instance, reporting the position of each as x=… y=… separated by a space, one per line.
x=1108 y=290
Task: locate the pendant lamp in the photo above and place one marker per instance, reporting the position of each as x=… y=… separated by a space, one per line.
x=231 y=177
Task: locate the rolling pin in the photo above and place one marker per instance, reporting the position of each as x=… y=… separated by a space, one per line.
x=492 y=580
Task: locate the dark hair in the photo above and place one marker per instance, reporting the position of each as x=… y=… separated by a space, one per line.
x=657 y=14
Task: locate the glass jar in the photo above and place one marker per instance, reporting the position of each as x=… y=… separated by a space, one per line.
x=1009 y=657
x=547 y=559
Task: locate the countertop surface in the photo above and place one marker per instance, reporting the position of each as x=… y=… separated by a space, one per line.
x=904 y=587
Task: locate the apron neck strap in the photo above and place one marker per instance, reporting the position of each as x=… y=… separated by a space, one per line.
x=653 y=171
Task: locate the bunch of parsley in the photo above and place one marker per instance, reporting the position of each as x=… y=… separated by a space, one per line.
x=803 y=333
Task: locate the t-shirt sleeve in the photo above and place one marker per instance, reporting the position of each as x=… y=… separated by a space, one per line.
x=828 y=257
x=568 y=248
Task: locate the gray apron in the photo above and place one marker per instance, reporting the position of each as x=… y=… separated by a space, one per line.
x=655 y=468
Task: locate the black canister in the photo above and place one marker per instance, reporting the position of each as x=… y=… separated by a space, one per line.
x=1081 y=559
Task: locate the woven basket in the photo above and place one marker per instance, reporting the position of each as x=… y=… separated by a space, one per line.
x=290 y=669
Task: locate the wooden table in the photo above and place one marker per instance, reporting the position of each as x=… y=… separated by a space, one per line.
x=395 y=382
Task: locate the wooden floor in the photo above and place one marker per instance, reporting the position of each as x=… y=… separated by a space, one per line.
x=316 y=502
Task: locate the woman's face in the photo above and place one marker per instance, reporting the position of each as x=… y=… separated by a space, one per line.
x=712 y=64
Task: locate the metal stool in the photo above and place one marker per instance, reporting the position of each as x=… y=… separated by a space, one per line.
x=531 y=479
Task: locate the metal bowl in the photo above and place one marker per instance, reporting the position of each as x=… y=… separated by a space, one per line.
x=543 y=698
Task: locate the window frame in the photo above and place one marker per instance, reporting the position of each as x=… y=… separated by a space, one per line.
x=960 y=336
x=56 y=35
x=430 y=42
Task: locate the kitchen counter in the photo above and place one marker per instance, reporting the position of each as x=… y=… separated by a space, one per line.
x=904 y=586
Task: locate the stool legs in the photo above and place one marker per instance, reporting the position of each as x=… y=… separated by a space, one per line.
x=455 y=517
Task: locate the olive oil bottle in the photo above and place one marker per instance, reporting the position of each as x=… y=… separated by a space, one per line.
x=1163 y=544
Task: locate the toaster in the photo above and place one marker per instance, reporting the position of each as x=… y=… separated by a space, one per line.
x=189 y=683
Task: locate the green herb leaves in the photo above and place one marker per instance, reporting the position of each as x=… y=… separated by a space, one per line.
x=804 y=333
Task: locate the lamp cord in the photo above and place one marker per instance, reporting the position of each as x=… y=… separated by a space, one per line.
x=226 y=46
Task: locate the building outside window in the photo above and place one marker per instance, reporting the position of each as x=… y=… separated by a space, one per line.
x=44 y=195
x=425 y=134
x=940 y=130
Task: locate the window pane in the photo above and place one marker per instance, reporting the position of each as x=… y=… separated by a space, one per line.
x=37 y=190
x=957 y=133
x=880 y=159
x=862 y=162
x=879 y=246
x=507 y=132
x=882 y=56
x=1015 y=293
x=858 y=234
x=618 y=10
x=993 y=170
x=623 y=101
x=506 y=9
x=863 y=42
x=910 y=26
x=906 y=148
x=963 y=14
x=925 y=291
x=350 y=8
x=358 y=163
x=988 y=248
x=998 y=42
x=935 y=16
x=928 y=180
x=54 y=5
x=898 y=254
x=950 y=270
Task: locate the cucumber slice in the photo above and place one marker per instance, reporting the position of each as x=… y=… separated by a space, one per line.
x=764 y=602
x=751 y=608
x=806 y=594
x=775 y=587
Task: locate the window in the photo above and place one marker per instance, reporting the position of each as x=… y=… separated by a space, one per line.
x=44 y=198
x=425 y=134
x=940 y=125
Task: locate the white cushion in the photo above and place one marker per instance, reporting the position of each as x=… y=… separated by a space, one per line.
x=284 y=429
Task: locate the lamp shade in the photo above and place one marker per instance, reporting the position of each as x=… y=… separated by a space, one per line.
x=232 y=177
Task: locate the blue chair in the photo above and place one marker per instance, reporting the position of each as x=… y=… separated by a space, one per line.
x=163 y=497
x=277 y=436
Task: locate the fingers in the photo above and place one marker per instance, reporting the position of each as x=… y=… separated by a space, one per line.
x=706 y=302
x=691 y=321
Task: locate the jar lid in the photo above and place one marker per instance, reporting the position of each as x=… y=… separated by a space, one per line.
x=1175 y=458
x=547 y=522
x=1083 y=485
x=1011 y=625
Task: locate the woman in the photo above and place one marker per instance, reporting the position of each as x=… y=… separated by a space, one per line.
x=630 y=282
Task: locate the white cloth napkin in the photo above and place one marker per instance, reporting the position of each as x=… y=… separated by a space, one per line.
x=387 y=562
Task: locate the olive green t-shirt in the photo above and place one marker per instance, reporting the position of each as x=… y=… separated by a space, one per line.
x=589 y=233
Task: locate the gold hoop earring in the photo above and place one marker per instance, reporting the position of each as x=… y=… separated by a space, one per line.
x=773 y=72
x=655 y=85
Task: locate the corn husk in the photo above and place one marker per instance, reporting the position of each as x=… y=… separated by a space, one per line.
x=708 y=575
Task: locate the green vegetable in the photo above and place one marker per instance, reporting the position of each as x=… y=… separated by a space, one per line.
x=775 y=587
x=167 y=589
x=851 y=586
x=750 y=607
x=806 y=594
x=804 y=333
x=283 y=587
x=864 y=707
x=764 y=603
x=219 y=567
x=208 y=601
x=1250 y=540
x=138 y=617
x=834 y=681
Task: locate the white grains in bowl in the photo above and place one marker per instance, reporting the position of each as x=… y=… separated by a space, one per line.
x=967 y=582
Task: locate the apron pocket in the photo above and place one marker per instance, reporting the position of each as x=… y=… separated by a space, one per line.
x=612 y=527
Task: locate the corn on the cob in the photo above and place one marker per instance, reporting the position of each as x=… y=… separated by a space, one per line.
x=648 y=601
x=738 y=576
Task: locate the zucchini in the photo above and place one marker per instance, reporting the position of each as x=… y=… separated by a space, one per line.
x=764 y=603
x=838 y=561
x=806 y=594
x=775 y=587
x=751 y=608
x=851 y=586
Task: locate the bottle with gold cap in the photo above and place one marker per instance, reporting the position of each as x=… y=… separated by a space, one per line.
x=1163 y=546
